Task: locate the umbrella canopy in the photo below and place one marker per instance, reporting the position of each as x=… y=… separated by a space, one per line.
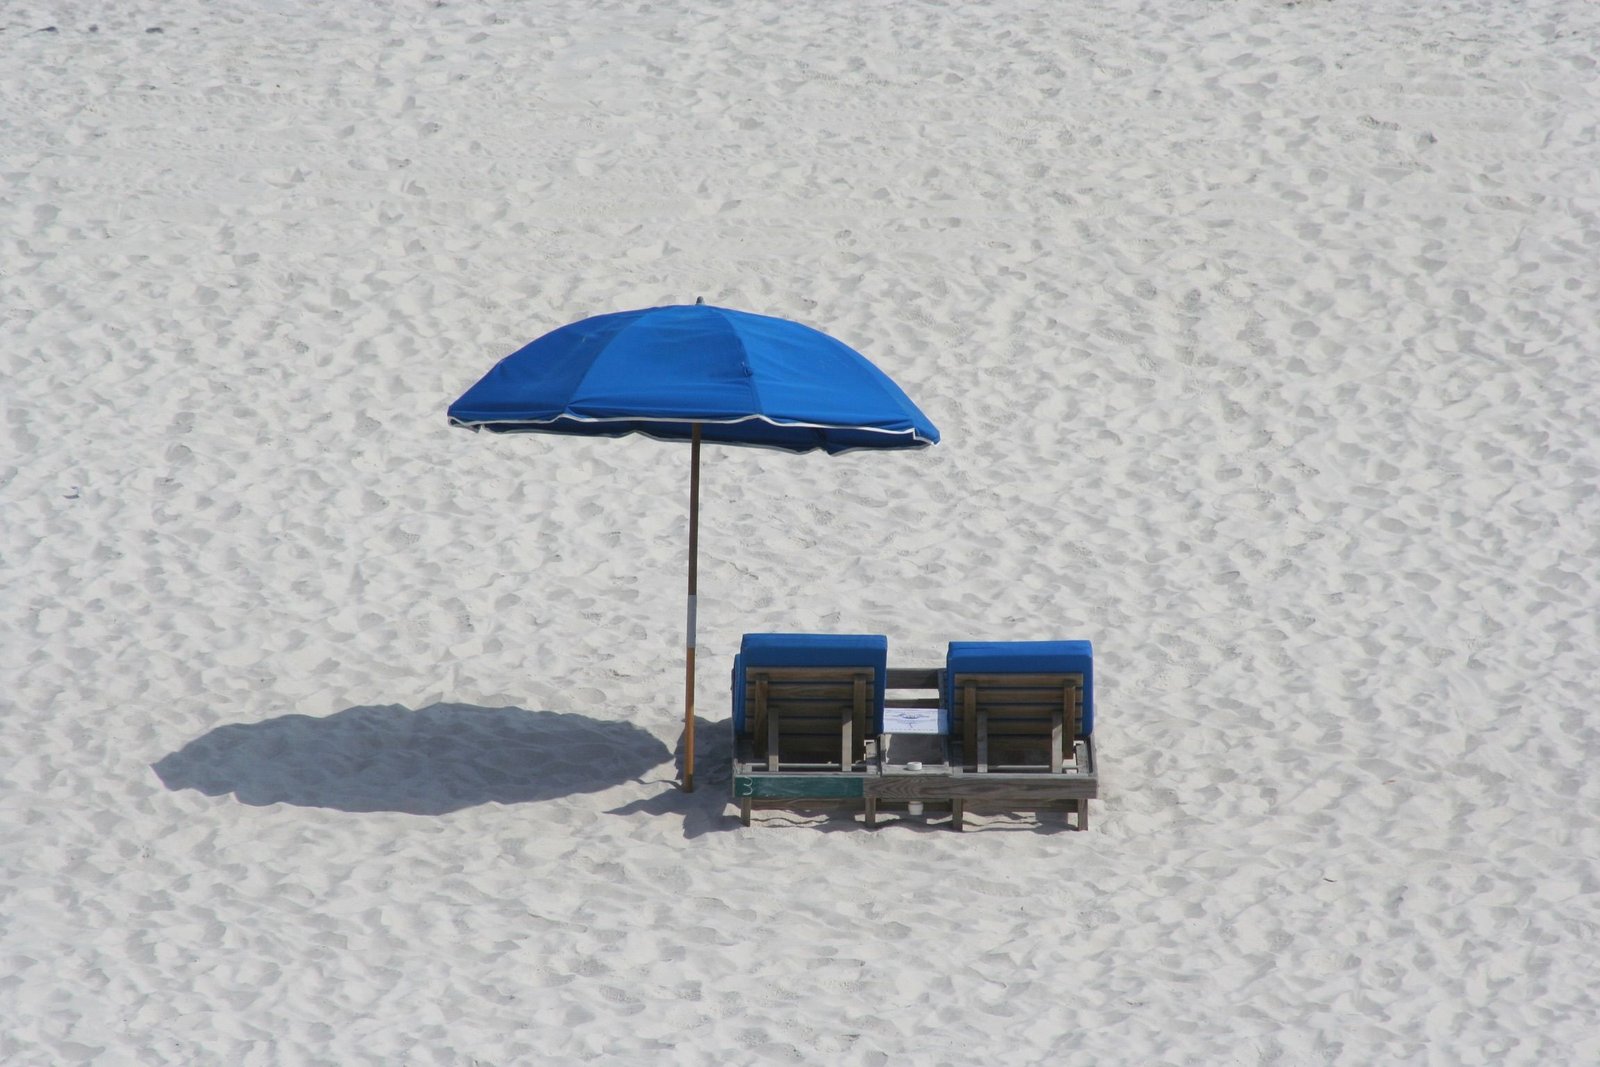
x=742 y=379
x=696 y=373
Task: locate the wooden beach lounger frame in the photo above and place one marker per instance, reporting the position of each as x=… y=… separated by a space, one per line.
x=1032 y=778
x=1022 y=736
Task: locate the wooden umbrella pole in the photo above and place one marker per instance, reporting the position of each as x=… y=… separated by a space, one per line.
x=694 y=569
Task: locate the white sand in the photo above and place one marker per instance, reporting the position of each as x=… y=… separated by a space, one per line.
x=1264 y=341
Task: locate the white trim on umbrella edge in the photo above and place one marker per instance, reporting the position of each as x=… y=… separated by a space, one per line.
x=479 y=424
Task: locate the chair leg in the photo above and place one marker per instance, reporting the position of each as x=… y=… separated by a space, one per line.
x=744 y=811
x=1083 y=815
x=872 y=812
x=958 y=810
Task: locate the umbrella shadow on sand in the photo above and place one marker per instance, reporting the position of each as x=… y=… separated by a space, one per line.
x=707 y=809
x=430 y=761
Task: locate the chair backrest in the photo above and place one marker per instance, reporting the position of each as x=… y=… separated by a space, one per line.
x=1021 y=690
x=811 y=650
x=813 y=718
x=815 y=697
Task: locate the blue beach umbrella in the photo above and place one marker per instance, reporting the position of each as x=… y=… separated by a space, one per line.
x=696 y=373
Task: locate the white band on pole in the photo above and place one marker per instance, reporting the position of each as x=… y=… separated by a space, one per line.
x=691 y=621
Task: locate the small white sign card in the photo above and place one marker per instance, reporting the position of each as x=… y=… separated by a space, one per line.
x=910 y=720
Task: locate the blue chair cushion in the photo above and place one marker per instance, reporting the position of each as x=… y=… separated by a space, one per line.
x=811 y=650
x=1020 y=657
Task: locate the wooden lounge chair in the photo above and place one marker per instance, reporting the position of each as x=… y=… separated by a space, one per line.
x=807 y=710
x=1022 y=724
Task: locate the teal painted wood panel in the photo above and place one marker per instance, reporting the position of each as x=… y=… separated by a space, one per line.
x=798 y=786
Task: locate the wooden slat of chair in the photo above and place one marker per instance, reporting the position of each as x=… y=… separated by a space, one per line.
x=847 y=721
x=1013 y=681
x=969 y=722
x=772 y=727
x=858 y=723
x=1057 y=717
x=812 y=675
x=983 y=740
x=1016 y=694
x=841 y=691
x=765 y=737
x=1036 y=729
